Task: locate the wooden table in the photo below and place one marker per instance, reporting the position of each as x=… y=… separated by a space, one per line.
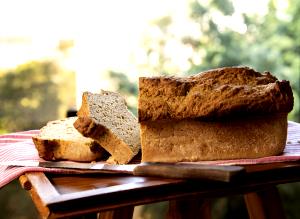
x=115 y=196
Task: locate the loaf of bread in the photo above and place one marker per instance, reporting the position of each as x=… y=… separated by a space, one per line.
x=225 y=113
x=105 y=118
x=59 y=140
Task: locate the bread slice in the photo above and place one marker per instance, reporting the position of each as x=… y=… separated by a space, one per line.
x=225 y=113
x=59 y=140
x=105 y=118
x=194 y=140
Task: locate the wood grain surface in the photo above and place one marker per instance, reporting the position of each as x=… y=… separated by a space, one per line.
x=58 y=195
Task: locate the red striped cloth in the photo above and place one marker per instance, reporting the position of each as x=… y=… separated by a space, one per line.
x=19 y=146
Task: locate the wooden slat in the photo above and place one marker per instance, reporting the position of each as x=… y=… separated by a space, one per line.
x=66 y=184
x=189 y=171
x=43 y=187
x=110 y=190
x=38 y=185
x=265 y=204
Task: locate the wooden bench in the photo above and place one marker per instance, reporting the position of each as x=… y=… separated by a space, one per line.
x=114 y=196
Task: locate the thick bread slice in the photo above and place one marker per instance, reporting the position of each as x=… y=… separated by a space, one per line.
x=192 y=140
x=105 y=118
x=59 y=140
x=213 y=94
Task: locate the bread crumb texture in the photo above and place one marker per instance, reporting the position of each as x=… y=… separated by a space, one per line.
x=106 y=118
x=192 y=140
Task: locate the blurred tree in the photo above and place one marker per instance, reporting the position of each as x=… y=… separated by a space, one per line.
x=267 y=42
x=277 y=46
x=16 y=203
x=125 y=87
x=32 y=94
x=270 y=42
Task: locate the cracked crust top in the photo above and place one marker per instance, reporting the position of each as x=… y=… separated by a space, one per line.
x=213 y=94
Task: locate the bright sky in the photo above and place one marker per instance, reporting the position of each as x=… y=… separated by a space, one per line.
x=94 y=25
x=107 y=34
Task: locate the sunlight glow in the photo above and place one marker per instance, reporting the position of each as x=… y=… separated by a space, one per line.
x=107 y=35
x=251 y=6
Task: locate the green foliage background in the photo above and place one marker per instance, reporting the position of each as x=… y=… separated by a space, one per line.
x=37 y=92
x=33 y=94
x=271 y=42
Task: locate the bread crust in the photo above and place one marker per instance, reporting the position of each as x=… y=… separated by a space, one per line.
x=213 y=94
x=57 y=149
x=45 y=148
x=194 y=140
x=59 y=140
x=122 y=154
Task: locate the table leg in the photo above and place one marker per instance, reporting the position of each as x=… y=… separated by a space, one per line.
x=124 y=213
x=265 y=204
x=189 y=209
x=85 y=216
x=41 y=208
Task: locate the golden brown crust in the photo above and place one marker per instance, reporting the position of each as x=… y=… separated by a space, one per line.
x=45 y=148
x=213 y=94
x=59 y=140
x=58 y=149
x=115 y=146
x=88 y=128
x=191 y=140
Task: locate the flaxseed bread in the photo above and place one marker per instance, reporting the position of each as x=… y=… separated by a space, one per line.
x=106 y=118
x=59 y=140
x=226 y=113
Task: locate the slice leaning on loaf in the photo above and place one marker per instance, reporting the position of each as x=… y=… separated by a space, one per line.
x=105 y=118
x=59 y=140
x=225 y=113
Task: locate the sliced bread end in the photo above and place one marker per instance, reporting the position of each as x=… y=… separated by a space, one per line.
x=59 y=140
